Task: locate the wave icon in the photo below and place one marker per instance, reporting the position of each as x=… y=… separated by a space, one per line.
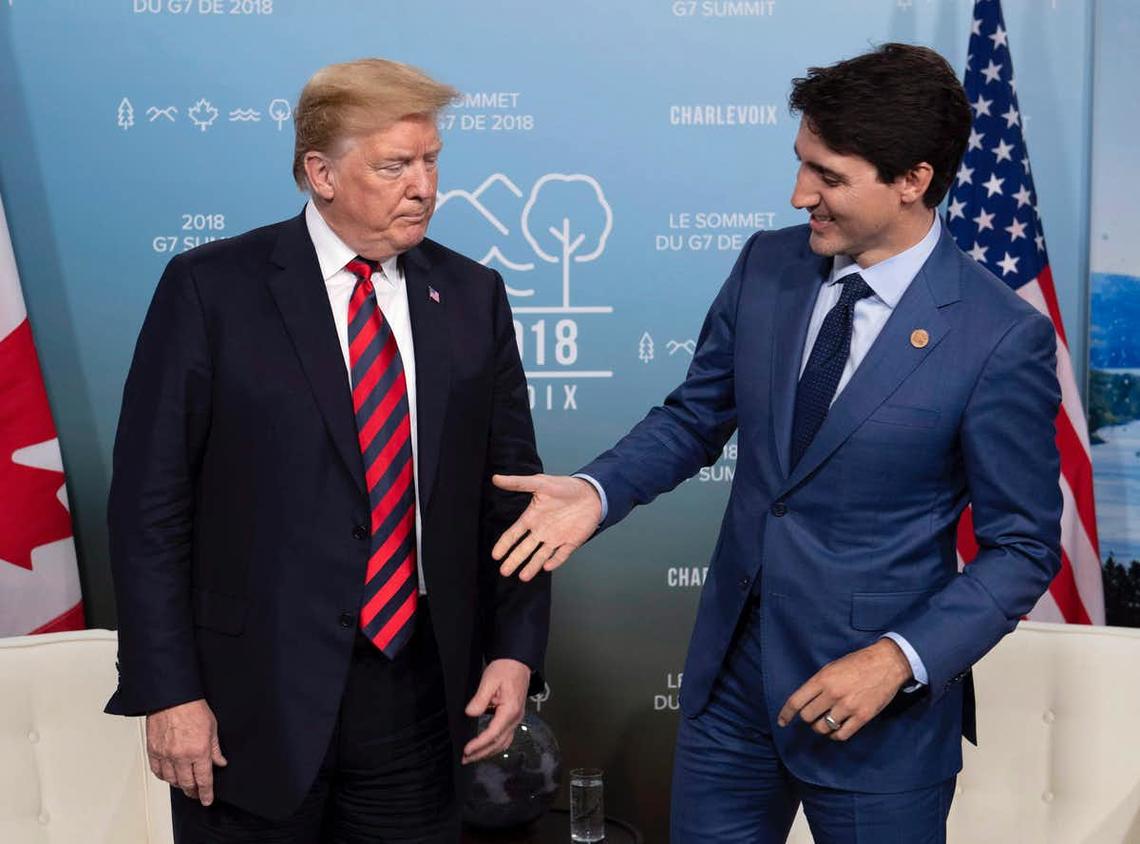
x=245 y=115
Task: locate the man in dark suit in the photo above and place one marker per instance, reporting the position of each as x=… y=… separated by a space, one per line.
x=879 y=380
x=301 y=512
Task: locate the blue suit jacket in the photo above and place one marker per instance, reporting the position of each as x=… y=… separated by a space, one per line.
x=859 y=538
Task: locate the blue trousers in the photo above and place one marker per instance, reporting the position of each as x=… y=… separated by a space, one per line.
x=730 y=787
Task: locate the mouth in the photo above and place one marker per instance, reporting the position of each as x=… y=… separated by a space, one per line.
x=820 y=222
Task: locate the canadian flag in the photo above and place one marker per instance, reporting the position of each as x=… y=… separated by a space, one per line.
x=39 y=574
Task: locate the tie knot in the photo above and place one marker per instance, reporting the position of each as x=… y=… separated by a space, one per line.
x=362 y=268
x=854 y=289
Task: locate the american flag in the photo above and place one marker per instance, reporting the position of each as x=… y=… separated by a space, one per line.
x=993 y=216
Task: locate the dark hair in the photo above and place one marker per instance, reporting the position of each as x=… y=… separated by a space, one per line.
x=896 y=107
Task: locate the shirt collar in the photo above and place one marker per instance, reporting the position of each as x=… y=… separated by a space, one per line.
x=332 y=252
x=889 y=279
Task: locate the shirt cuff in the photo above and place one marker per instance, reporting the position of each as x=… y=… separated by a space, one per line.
x=601 y=494
x=917 y=669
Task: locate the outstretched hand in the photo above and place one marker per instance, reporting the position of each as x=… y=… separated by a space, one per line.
x=563 y=513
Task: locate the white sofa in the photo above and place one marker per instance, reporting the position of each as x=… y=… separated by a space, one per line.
x=1059 y=761
x=69 y=773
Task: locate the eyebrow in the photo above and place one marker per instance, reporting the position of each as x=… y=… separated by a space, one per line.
x=819 y=168
x=404 y=155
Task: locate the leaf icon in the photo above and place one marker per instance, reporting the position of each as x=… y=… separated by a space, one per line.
x=202 y=114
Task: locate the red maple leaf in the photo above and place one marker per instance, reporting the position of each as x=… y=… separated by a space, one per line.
x=30 y=513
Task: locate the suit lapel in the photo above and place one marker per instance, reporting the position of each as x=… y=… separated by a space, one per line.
x=798 y=290
x=300 y=294
x=891 y=358
x=433 y=363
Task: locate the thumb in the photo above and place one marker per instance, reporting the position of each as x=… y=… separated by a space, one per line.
x=482 y=699
x=517 y=483
x=216 y=754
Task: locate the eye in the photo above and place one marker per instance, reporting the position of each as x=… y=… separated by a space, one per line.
x=393 y=169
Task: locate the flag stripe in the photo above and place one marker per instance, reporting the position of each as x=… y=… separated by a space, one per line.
x=995 y=183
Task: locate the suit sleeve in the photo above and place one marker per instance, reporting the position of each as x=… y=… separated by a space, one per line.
x=1008 y=442
x=516 y=615
x=162 y=433
x=689 y=430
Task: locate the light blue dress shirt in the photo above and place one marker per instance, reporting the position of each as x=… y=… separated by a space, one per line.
x=888 y=280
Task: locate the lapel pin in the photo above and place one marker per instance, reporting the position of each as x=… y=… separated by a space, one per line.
x=433 y=294
x=919 y=338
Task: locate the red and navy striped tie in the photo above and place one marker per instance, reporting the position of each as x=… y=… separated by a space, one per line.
x=380 y=399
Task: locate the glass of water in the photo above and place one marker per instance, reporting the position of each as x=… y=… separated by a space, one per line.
x=587 y=809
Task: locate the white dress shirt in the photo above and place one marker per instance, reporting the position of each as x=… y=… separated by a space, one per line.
x=392 y=297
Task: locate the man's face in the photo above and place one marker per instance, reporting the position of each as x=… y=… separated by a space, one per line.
x=852 y=212
x=381 y=188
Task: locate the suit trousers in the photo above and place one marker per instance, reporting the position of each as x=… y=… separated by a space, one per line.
x=387 y=775
x=730 y=786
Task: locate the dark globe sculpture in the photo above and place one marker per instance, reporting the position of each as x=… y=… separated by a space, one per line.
x=516 y=786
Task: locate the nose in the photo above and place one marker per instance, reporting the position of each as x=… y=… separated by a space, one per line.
x=421 y=184
x=804 y=194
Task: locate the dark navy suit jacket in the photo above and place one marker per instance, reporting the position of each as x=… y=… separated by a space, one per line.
x=238 y=498
x=859 y=538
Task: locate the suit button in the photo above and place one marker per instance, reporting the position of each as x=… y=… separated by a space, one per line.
x=360 y=532
x=779 y=509
x=346 y=619
x=744 y=581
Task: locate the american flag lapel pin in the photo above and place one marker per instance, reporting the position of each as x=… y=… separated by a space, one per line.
x=433 y=294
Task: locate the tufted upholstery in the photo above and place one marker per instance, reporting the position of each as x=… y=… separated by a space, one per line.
x=70 y=773
x=1056 y=761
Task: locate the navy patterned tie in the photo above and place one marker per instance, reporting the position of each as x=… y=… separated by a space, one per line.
x=380 y=398
x=825 y=366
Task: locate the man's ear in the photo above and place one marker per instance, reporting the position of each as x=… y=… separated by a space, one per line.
x=321 y=174
x=914 y=182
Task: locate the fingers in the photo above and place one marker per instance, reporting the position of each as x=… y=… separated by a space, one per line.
x=537 y=562
x=204 y=778
x=820 y=724
x=851 y=725
x=800 y=698
x=521 y=553
x=167 y=773
x=517 y=483
x=481 y=701
x=508 y=540
x=817 y=707
x=560 y=555
x=184 y=774
x=496 y=738
x=216 y=753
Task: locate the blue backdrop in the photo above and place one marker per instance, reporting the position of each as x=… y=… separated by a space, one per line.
x=609 y=158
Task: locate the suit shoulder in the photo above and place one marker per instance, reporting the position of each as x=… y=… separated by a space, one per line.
x=993 y=299
x=448 y=260
x=259 y=241
x=789 y=239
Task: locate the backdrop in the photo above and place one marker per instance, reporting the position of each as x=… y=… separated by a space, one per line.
x=608 y=158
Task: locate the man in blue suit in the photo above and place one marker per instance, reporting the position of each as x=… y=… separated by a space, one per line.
x=879 y=380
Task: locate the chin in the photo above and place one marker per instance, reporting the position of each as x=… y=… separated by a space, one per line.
x=824 y=247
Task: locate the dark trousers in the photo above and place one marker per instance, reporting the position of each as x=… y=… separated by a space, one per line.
x=387 y=775
x=730 y=786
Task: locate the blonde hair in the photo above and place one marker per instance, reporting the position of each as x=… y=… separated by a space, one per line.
x=341 y=101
